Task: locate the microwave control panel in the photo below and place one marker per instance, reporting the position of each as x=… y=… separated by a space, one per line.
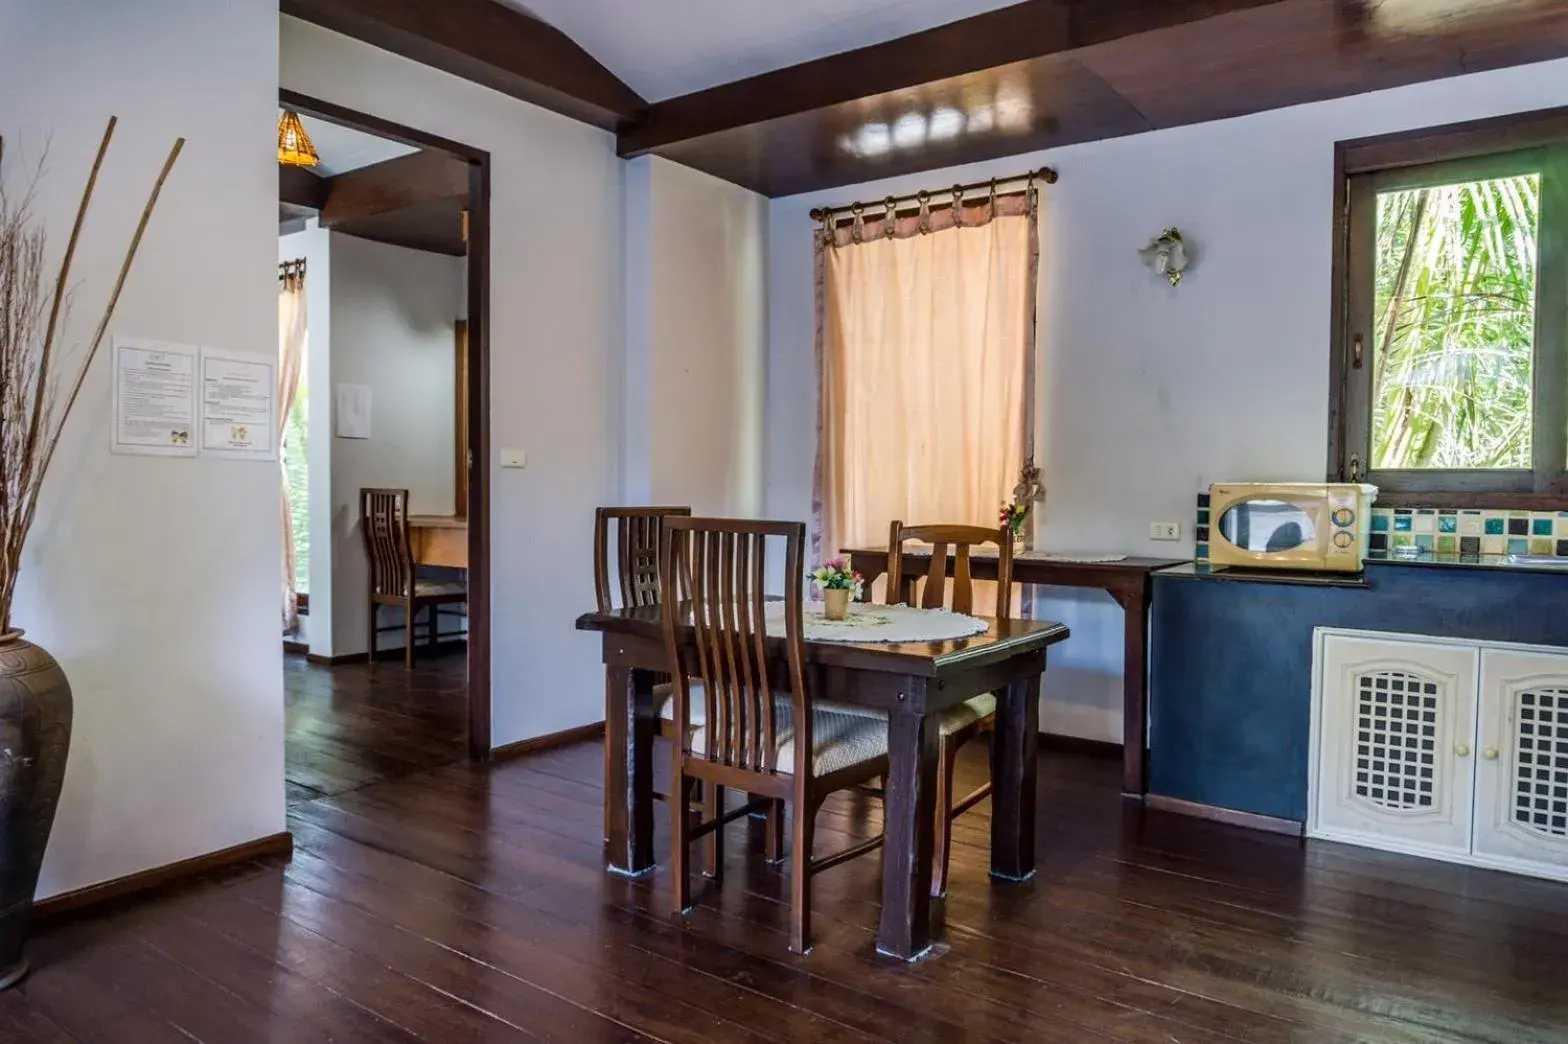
x=1345 y=535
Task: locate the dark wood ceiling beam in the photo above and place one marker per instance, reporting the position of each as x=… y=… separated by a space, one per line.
x=394 y=184
x=483 y=41
x=302 y=189
x=1030 y=30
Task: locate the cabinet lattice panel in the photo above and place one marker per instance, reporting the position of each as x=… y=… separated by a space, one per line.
x=1396 y=739
x=1541 y=762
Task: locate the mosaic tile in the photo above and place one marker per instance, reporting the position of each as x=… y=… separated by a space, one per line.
x=1541 y=545
x=1203 y=500
x=1562 y=547
x=1518 y=546
x=1380 y=523
x=1496 y=527
x=1402 y=523
x=1426 y=511
x=1493 y=545
x=1471 y=545
x=1423 y=523
x=1562 y=526
x=1404 y=540
x=1424 y=541
x=1469 y=511
x=1541 y=526
x=1518 y=526
x=1201 y=534
x=1379 y=542
x=1201 y=551
x=1203 y=516
x=1448 y=523
x=1471 y=525
x=1448 y=545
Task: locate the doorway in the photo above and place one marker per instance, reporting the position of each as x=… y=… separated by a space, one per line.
x=404 y=199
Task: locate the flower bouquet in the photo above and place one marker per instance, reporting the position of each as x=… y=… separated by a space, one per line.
x=838 y=584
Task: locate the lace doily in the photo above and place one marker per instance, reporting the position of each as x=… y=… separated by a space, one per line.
x=880 y=623
x=1050 y=556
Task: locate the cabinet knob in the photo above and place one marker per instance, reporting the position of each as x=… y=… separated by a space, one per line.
x=1489 y=753
x=1462 y=749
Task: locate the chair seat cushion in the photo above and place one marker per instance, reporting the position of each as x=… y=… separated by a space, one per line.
x=439 y=589
x=841 y=740
x=962 y=715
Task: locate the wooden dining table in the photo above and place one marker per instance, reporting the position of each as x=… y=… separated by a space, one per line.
x=912 y=682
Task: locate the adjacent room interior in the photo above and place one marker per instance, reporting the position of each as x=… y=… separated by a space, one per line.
x=373 y=299
x=885 y=521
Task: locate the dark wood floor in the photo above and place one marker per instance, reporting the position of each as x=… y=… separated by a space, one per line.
x=350 y=726
x=469 y=904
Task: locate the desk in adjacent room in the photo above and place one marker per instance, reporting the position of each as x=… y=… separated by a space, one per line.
x=439 y=540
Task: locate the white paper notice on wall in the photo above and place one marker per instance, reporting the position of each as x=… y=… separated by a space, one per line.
x=154 y=397
x=353 y=413
x=238 y=405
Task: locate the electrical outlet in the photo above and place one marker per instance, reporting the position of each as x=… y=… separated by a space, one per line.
x=1164 y=530
x=514 y=458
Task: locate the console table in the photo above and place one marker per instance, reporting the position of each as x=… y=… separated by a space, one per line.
x=1127 y=581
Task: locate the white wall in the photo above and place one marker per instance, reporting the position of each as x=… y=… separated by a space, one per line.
x=1147 y=393
x=694 y=339
x=314 y=245
x=393 y=316
x=154 y=581
x=556 y=345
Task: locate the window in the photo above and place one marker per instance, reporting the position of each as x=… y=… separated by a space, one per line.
x=296 y=468
x=1454 y=351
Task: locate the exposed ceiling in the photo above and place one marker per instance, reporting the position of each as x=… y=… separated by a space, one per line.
x=665 y=48
x=343 y=149
x=810 y=94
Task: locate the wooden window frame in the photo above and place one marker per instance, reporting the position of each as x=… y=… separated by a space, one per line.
x=1479 y=149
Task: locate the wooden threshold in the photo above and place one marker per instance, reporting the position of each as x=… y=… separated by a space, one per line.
x=160 y=876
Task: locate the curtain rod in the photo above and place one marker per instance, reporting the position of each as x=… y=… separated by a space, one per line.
x=291 y=268
x=1045 y=174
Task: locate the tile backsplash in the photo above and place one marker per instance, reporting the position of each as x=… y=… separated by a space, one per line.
x=1465 y=531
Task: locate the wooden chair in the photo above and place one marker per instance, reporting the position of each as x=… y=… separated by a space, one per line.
x=383 y=520
x=777 y=746
x=638 y=535
x=962 y=723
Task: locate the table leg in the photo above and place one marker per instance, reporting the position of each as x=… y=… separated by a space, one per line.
x=1014 y=751
x=910 y=808
x=1135 y=696
x=628 y=770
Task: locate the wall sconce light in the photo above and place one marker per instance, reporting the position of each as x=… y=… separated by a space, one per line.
x=1166 y=254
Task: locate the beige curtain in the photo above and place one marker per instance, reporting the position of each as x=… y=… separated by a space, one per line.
x=925 y=349
x=291 y=357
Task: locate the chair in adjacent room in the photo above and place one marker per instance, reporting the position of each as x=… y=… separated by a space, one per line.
x=383 y=521
x=961 y=723
x=776 y=746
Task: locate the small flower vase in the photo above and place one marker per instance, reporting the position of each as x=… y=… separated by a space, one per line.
x=835 y=603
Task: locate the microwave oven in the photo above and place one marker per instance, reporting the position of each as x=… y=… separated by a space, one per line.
x=1290 y=525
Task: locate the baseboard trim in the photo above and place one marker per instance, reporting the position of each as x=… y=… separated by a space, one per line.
x=1229 y=816
x=387 y=655
x=297 y=648
x=564 y=738
x=1079 y=745
x=161 y=876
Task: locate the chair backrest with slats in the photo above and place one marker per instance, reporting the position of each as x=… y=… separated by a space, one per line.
x=637 y=535
x=383 y=521
x=722 y=565
x=961 y=540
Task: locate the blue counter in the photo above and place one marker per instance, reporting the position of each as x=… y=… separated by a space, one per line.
x=1230 y=683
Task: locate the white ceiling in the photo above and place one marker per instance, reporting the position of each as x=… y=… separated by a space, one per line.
x=343 y=149
x=665 y=48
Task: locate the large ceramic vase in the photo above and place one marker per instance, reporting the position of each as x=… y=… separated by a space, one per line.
x=35 y=737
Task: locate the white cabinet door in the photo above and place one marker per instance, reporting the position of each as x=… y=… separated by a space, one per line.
x=1395 y=765
x=1521 y=802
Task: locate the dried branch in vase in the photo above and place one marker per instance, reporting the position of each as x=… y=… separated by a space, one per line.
x=35 y=398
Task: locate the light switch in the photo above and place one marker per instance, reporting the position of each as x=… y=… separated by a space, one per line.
x=514 y=458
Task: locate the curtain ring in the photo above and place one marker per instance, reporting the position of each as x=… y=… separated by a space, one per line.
x=826 y=231
x=857 y=231
x=890 y=221
x=924 y=221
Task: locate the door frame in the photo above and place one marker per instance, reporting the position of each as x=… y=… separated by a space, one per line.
x=478 y=507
